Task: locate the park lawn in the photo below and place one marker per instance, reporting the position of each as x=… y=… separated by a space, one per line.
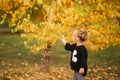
x=18 y=63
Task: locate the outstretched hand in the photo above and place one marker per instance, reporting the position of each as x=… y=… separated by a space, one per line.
x=63 y=40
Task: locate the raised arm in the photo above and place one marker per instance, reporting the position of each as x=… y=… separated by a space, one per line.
x=67 y=45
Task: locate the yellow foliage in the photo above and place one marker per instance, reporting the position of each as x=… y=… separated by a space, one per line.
x=61 y=17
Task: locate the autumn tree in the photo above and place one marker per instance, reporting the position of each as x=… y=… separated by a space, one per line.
x=45 y=21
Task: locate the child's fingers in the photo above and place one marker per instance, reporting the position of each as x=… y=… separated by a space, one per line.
x=62 y=39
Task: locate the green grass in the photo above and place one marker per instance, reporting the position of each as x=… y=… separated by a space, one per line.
x=12 y=45
x=13 y=51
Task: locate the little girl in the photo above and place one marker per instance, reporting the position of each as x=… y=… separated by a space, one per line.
x=79 y=54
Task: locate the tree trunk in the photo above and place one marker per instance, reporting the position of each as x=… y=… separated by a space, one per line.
x=45 y=60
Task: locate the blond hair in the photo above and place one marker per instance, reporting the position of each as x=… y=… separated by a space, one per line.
x=82 y=35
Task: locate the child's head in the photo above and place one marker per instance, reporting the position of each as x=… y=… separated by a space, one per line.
x=80 y=36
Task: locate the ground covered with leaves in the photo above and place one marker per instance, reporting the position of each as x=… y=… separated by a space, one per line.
x=26 y=71
x=17 y=63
